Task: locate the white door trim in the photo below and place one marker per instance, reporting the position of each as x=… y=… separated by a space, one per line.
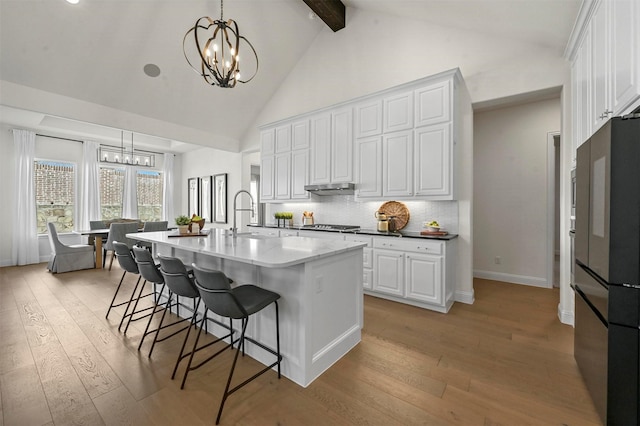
x=551 y=185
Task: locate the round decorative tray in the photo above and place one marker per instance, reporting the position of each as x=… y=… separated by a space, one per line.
x=398 y=210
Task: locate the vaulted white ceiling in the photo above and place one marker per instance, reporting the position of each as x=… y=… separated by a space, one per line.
x=96 y=51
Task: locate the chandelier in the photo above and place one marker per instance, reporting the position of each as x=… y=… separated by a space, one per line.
x=218 y=48
x=124 y=155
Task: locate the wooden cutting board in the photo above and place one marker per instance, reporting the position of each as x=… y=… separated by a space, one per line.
x=398 y=210
x=434 y=233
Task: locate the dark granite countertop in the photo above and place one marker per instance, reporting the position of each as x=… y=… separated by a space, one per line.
x=373 y=232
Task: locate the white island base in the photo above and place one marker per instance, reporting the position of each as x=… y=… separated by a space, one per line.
x=321 y=304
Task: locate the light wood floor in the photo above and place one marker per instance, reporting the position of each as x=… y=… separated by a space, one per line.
x=505 y=360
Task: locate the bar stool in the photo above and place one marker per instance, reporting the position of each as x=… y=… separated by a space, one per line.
x=180 y=282
x=238 y=303
x=150 y=272
x=125 y=259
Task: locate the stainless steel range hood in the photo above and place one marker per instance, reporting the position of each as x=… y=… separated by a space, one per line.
x=331 y=189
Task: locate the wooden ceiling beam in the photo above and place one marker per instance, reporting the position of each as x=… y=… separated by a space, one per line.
x=332 y=12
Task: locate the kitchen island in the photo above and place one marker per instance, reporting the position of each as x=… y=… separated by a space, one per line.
x=319 y=281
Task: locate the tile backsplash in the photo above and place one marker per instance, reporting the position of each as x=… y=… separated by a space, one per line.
x=345 y=210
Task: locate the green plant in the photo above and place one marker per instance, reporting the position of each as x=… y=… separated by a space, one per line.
x=183 y=220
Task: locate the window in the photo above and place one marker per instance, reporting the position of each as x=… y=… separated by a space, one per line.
x=148 y=193
x=55 y=183
x=111 y=191
x=149 y=189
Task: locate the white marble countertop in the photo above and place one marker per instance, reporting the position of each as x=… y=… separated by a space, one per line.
x=260 y=250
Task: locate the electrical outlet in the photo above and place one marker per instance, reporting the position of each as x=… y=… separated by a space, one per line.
x=498 y=260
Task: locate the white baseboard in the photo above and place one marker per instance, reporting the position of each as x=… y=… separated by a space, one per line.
x=511 y=278
x=566 y=317
x=464 y=297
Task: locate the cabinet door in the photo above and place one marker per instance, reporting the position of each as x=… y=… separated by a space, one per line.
x=582 y=109
x=299 y=174
x=433 y=104
x=398 y=112
x=369 y=167
x=321 y=148
x=266 y=178
x=283 y=139
x=433 y=161
x=300 y=135
x=600 y=66
x=625 y=55
x=282 y=167
x=342 y=146
x=397 y=169
x=367 y=279
x=368 y=119
x=388 y=275
x=424 y=278
x=267 y=142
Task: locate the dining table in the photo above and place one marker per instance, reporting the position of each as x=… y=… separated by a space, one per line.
x=98 y=234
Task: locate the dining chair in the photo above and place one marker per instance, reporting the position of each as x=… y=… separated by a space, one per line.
x=118 y=232
x=234 y=303
x=65 y=258
x=95 y=224
x=153 y=227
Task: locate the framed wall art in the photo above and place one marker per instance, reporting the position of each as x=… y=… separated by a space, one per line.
x=193 y=196
x=206 y=198
x=220 y=198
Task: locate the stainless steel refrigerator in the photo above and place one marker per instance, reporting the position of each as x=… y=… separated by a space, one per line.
x=607 y=269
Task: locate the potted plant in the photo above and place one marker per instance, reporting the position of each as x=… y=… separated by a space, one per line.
x=183 y=223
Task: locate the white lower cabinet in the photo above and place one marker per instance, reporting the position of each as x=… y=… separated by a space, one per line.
x=388 y=274
x=423 y=275
x=417 y=272
x=367 y=258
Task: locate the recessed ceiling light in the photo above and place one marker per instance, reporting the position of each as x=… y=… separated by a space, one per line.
x=73 y=1
x=152 y=70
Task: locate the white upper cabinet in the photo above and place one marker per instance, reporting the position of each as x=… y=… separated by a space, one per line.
x=433 y=104
x=267 y=178
x=434 y=170
x=396 y=143
x=283 y=139
x=321 y=148
x=605 y=77
x=368 y=118
x=600 y=67
x=397 y=160
x=398 y=112
x=282 y=167
x=299 y=174
x=625 y=52
x=300 y=135
x=369 y=167
x=267 y=142
x=342 y=146
x=285 y=166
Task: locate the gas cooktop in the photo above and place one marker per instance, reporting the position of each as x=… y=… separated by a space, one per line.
x=326 y=227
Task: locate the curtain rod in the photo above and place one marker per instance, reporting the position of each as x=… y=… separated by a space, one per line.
x=111 y=146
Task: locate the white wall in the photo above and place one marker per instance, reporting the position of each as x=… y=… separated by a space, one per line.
x=376 y=52
x=208 y=162
x=511 y=191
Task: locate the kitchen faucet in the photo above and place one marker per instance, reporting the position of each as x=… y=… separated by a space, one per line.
x=234 y=230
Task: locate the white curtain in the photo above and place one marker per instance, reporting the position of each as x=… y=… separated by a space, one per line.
x=25 y=235
x=90 y=186
x=167 y=188
x=130 y=196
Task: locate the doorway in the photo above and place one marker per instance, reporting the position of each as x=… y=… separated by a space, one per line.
x=553 y=212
